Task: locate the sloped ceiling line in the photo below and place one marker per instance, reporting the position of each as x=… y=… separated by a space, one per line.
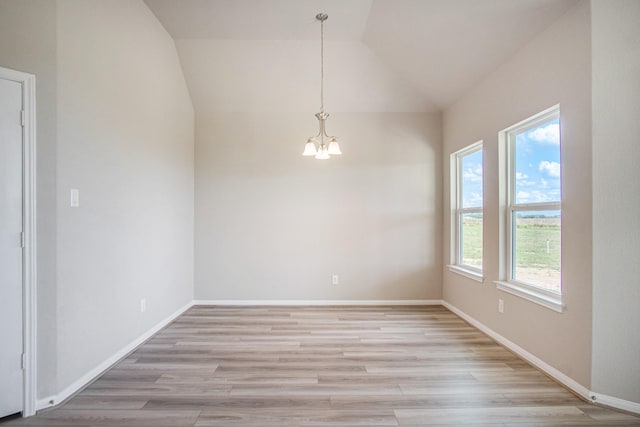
x=382 y=55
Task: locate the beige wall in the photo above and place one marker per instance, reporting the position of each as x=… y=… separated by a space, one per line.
x=114 y=120
x=271 y=224
x=554 y=68
x=125 y=140
x=28 y=44
x=616 y=201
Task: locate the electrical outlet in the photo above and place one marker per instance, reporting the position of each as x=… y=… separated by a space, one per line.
x=143 y=305
x=500 y=306
x=335 y=279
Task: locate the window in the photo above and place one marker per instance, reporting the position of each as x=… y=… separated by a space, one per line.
x=532 y=216
x=466 y=203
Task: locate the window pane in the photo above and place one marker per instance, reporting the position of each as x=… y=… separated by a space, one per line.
x=537 y=164
x=536 y=248
x=471 y=239
x=471 y=165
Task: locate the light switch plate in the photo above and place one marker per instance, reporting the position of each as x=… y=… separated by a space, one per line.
x=75 y=197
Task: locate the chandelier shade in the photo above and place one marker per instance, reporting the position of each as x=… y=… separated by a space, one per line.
x=334 y=148
x=310 y=147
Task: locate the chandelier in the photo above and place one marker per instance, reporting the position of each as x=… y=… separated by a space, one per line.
x=315 y=145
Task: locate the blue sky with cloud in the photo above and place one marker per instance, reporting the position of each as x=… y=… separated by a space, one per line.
x=537 y=168
x=472 y=180
x=538 y=164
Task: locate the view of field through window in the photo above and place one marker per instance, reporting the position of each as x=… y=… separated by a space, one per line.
x=536 y=211
x=472 y=199
x=537 y=249
x=472 y=239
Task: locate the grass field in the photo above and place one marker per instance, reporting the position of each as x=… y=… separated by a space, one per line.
x=537 y=249
x=472 y=238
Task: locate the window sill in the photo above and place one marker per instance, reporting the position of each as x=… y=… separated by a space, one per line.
x=552 y=303
x=470 y=274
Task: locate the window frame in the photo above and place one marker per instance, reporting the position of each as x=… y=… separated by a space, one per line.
x=458 y=211
x=508 y=283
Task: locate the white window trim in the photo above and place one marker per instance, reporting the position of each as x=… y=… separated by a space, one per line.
x=468 y=273
x=533 y=294
x=456 y=265
x=530 y=292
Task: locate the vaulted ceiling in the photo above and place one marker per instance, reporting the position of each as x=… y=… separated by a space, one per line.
x=380 y=55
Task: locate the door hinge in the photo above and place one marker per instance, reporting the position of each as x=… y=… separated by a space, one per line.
x=22 y=240
x=22 y=118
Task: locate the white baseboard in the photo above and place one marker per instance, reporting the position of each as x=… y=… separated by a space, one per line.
x=534 y=360
x=614 y=402
x=294 y=302
x=108 y=363
x=579 y=389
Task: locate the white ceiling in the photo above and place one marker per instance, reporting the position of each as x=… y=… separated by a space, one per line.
x=389 y=55
x=444 y=47
x=261 y=19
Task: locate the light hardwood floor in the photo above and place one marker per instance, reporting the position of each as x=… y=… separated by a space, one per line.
x=323 y=366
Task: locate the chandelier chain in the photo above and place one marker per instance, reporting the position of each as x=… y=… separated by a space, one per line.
x=322 y=66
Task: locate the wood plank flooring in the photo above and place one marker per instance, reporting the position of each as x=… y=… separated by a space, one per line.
x=323 y=366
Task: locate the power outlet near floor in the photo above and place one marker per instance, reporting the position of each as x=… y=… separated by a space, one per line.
x=335 y=279
x=143 y=305
x=500 y=306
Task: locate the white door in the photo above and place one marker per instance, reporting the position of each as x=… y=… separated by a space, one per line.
x=11 y=383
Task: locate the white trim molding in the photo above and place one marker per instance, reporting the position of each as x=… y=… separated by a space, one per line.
x=543 y=299
x=87 y=378
x=562 y=378
x=294 y=302
x=29 y=267
x=614 y=402
x=509 y=207
x=469 y=274
x=458 y=210
x=570 y=383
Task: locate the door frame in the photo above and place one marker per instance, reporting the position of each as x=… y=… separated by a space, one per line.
x=29 y=250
